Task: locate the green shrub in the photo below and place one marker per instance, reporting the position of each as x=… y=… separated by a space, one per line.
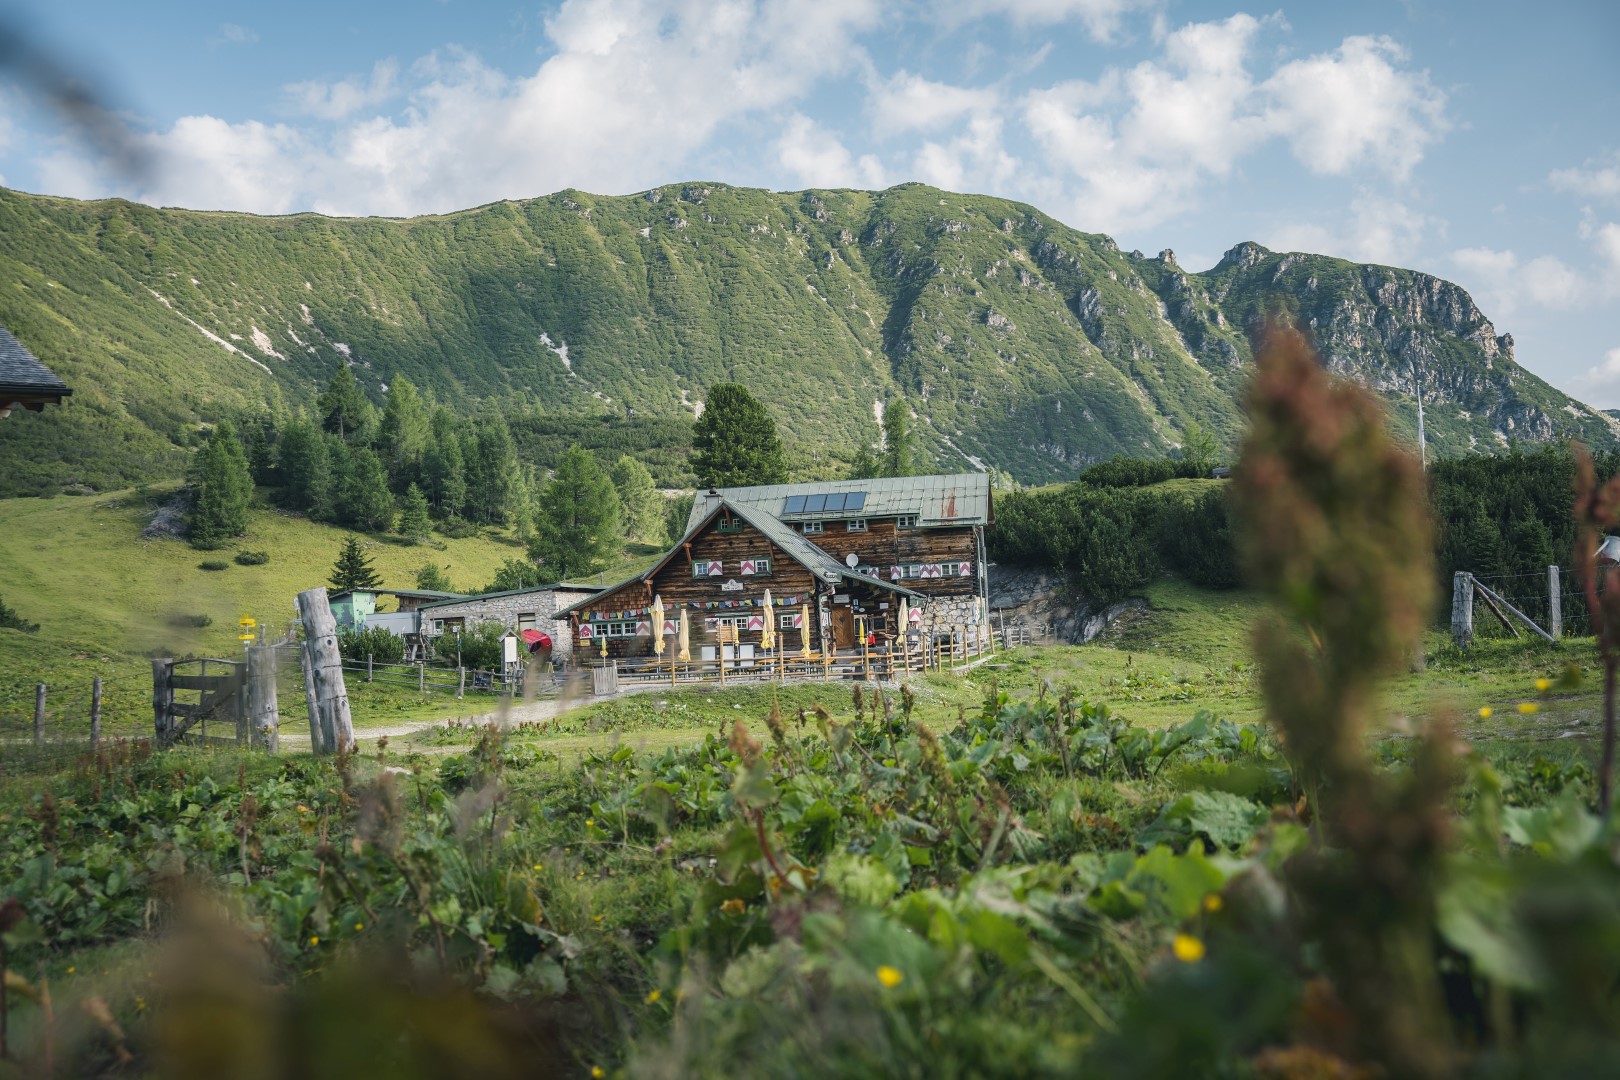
x=456 y=528
x=11 y=619
x=185 y=621
x=252 y=558
x=378 y=642
x=213 y=564
x=480 y=647
x=1196 y=541
x=1140 y=472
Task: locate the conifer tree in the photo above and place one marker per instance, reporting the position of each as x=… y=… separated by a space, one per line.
x=641 y=507
x=899 y=440
x=491 y=462
x=578 y=524
x=866 y=465
x=734 y=442
x=301 y=463
x=353 y=569
x=344 y=409
x=221 y=487
x=366 y=501
x=443 y=469
x=433 y=578
x=326 y=498
x=414 y=521
x=403 y=433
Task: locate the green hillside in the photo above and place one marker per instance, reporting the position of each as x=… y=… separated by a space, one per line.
x=1023 y=344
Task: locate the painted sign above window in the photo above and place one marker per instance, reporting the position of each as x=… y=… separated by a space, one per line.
x=750 y=567
x=708 y=568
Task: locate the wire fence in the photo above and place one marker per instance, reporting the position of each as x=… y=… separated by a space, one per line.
x=1532 y=594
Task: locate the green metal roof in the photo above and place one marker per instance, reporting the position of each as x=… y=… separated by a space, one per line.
x=955 y=499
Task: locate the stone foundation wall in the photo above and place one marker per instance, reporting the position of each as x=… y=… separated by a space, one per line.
x=504 y=610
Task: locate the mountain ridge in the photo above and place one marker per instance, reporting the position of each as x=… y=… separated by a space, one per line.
x=1023 y=344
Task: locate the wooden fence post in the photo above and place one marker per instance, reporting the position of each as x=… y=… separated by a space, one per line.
x=1555 y=603
x=162 y=697
x=263 y=718
x=95 y=713
x=368 y=667
x=461 y=682
x=1462 y=608
x=39 y=715
x=331 y=701
x=421 y=676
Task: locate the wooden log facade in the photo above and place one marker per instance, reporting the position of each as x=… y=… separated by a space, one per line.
x=733 y=553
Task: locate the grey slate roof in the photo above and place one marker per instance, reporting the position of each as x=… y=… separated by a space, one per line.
x=818 y=562
x=556 y=586
x=959 y=499
x=20 y=371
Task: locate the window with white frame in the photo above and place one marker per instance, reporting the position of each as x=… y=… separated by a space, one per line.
x=855 y=525
x=906 y=521
x=525 y=621
x=624 y=628
x=785 y=621
x=754 y=567
x=811 y=528
x=735 y=622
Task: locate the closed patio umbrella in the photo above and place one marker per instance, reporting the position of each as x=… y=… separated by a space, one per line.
x=767 y=636
x=684 y=641
x=658 y=625
x=804 y=629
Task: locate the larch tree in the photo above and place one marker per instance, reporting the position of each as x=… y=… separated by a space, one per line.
x=578 y=525
x=415 y=521
x=639 y=501
x=403 y=432
x=366 y=501
x=734 y=442
x=221 y=486
x=899 y=440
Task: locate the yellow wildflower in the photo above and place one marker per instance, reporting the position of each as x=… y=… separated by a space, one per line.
x=1485 y=712
x=598 y=918
x=1188 y=949
x=733 y=906
x=314 y=941
x=1212 y=903
x=1528 y=707
x=890 y=977
x=71 y=970
x=1543 y=685
x=652 y=998
x=590 y=823
x=359 y=926
x=302 y=809
x=596 y=1071
x=538 y=867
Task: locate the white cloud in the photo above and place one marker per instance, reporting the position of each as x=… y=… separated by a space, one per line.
x=816 y=158
x=1140 y=143
x=336 y=100
x=907 y=102
x=233 y=34
x=1597 y=180
x=632 y=89
x=1503 y=283
x=1101 y=18
x=1352 y=106
x=1601 y=382
x=1375 y=229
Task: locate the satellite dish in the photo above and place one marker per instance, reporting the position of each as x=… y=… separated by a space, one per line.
x=852 y=560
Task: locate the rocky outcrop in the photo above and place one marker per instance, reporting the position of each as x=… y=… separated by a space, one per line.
x=1040 y=602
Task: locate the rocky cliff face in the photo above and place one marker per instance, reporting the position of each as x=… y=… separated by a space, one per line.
x=1022 y=344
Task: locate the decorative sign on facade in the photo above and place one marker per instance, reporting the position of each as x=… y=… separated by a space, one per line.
x=584 y=631
x=756 y=622
x=643 y=627
x=914 y=616
x=896 y=573
x=747 y=568
x=669 y=627
x=714 y=568
x=965 y=570
x=733 y=585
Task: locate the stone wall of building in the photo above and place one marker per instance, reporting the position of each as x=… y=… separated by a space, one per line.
x=505 y=609
x=945 y=614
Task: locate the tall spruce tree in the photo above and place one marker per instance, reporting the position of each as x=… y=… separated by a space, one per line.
x=734 y=442
x=353 y=569
x=415 y=522
x=366 y=501
x=899 y=440
x=327 y=500
x=491 y=468
x=403 y=433
x=345 y=411
x=578 y=525
x=221 y=486
x=300 y=463
x=640 y=504
x=443 y=470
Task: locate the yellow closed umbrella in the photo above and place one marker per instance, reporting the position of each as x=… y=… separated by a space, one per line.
x=684 y=641
x=904 y=618
x=767 y=636
x=658 y=625
x=804 y=629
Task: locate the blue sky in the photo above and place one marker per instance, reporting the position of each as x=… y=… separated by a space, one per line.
x=1472 y=139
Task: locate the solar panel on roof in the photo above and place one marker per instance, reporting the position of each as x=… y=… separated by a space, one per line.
x=794 y=504
x=814 y=504
x=835 y=501
x=855 y=500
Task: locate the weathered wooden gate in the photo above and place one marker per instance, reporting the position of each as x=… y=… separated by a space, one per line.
x=219 y=696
